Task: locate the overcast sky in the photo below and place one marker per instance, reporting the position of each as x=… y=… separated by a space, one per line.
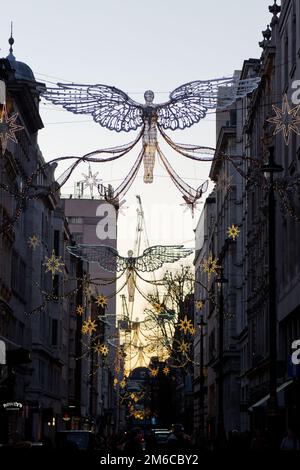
x=134 y=45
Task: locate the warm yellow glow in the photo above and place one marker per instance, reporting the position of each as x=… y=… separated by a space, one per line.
x=233 y=232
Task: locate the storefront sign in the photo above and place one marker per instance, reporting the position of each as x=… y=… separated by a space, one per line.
x=12 y=406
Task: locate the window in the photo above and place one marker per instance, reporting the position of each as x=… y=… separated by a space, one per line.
x=14 y=270
x=41 y=373
x=78 y=237
x=75 y=220
x=22 y=278
x=56 y=285
x=212 y=345
x=294 y=41
x=54 y=332
x=18 y=275
x=56 y=242
x=286 y=60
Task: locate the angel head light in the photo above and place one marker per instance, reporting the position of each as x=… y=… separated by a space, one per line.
x=149 y=96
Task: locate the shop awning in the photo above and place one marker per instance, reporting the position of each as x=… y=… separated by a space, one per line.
x=263 y=401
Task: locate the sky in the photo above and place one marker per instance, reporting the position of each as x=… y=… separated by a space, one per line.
x=133 y=45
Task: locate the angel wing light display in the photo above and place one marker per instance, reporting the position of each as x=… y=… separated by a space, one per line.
x=115 y=110
x=109 y=259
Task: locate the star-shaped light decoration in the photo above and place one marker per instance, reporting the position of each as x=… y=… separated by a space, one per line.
x=91 y=181
x=134 y=397
x=79 y=310
x=233 y=232
x=123 y=383
x=192 y=331
x=115 y=382
x=117 y=369
x=89 y=326
x=54 y=264
x=185 y=325
x=183 y=347
x=139 y=415
x=34 y=241
x=210 y=266
x=199 y=304
x=154 y=372
x=87 y=292
x=157 y=307
x=101 y=349
x=286 y=120
x=101 y=301
x=166 y=370
x=8 y=128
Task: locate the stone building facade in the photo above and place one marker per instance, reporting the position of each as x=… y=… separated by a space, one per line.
x=47 y=370
x=246 y=131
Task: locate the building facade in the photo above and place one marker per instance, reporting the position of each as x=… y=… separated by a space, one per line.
x=241 y=198
x=49 y=368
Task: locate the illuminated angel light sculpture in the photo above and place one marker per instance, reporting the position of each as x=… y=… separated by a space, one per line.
x=115 y=110
x=109 y=259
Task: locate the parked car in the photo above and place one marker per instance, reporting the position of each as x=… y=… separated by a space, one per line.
x=159 y=437
x=75 y=439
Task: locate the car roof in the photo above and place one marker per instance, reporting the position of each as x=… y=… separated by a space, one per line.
x=74 y=431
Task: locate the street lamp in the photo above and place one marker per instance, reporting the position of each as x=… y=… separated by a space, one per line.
x=269 y=170
x=201 y=324
x=220 y=424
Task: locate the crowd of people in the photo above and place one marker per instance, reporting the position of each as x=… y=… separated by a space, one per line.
x=138 y=440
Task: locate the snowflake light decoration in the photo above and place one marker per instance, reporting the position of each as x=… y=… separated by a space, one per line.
x=154 y=372
x=210 y=266
x=115 y=382
x=286 y=119
x=90 y=180
x=192 y=331
x=166 y=370
x=89 y=326
x=54 y=264
x=34 y=241
x=101 y=301
x=79 y=310
x=185 y=325
x=233 y=232
x=199 y=304
x=8 y=128
x=183 y=347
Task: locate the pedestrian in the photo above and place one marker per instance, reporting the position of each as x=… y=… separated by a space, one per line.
x=234 y=439
x=258 y=442
x=178 y=440
x=290 y=441
x=135 y=442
